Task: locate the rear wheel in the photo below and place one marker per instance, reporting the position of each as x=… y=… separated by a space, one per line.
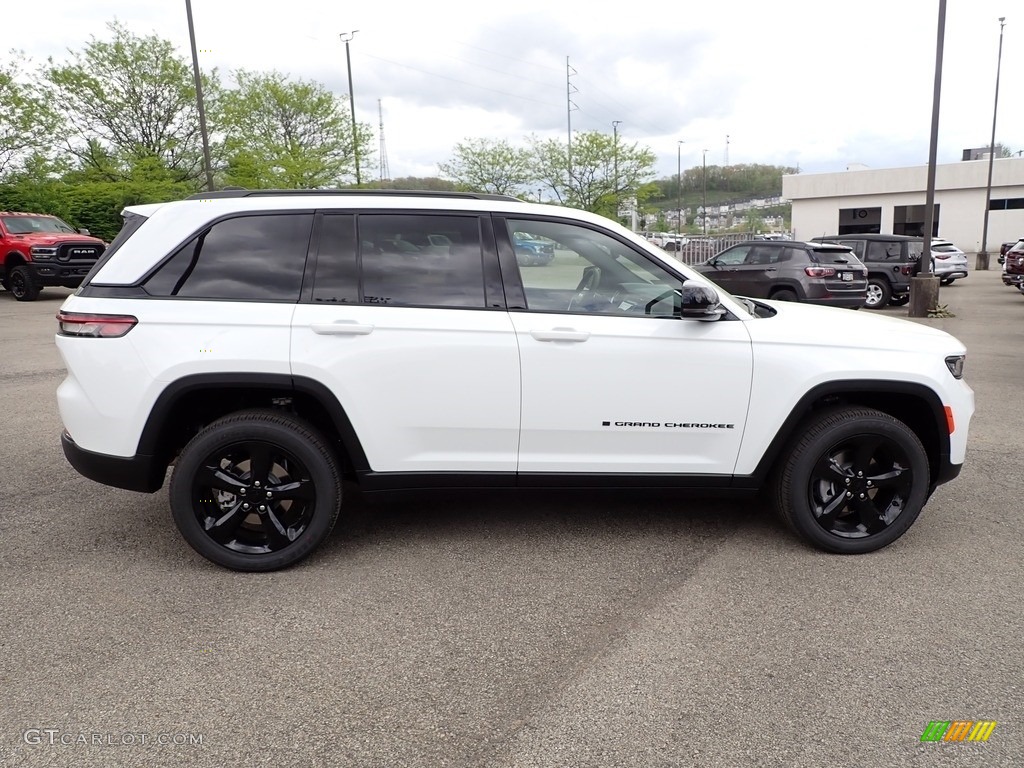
x=879 y=293
x=946 y=280
x=854 y=482
x=784 y=294
x=256 y=491
x=899 y=301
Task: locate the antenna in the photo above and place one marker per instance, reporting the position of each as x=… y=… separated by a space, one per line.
x=385 y=172
x=727 y=150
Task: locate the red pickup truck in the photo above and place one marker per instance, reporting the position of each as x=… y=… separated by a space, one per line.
x=39 y=250
x=1013 y=265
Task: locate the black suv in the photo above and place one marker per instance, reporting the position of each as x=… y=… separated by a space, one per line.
x=891 y=261
x=817 y=273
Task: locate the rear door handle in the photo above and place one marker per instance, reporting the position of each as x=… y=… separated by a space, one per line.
x=561 y=334
x=342 y=328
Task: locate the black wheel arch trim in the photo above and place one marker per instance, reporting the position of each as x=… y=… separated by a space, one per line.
x=149 y=442
x=943 y=471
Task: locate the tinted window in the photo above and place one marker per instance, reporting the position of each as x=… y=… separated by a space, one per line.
x=857 y=245
x=254 y=258
x=763 y=254
x=421 y=260
x=591 y=272
x=833 y=256
x=880 y=250
x=337 y=271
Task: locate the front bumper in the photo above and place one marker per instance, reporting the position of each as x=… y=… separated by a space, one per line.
x=55 y=273
x=1012 y=278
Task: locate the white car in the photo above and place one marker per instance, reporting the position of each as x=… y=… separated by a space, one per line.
x=949 y=263
x=268 y=344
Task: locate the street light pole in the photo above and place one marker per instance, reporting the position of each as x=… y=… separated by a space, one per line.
x=982 y=260
x=615 y=156
x=199 y=98
x=346 y=37
x=705 y=185
x=679 y=186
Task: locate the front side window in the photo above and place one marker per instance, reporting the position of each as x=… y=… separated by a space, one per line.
x=592 y=272
x=247 y=258
x=732 y=257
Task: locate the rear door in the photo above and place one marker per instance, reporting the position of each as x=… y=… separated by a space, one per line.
x=405 y=323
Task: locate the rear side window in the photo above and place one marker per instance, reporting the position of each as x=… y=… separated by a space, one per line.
x=880 y=250
x=248 y=258
x=856 y=245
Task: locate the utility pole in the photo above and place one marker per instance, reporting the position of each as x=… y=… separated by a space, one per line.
x=385 y=172
x=982 y=259
x=615 y=160
x=679 y=185
x=705 y=185
x=924 y=286
x=570 y=89
x=346 y=37
x=199 y=98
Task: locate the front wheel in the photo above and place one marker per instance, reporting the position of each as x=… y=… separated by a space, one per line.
x=21 y=284
x=879 y=293
x=256 y=491
x=899 y=301
x=854 y=482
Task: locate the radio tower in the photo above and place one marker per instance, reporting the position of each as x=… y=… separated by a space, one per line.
x=385 y=172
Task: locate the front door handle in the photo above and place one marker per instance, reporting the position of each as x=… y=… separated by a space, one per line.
x=561 y=334
x=342 y=328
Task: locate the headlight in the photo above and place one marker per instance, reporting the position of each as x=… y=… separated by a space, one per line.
x=42 y=252
x=955 y=363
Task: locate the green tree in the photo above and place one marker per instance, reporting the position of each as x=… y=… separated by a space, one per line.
x=488 y=165
x=598 y=172
x=288 y=134
x=28 y=125
x=129 y=100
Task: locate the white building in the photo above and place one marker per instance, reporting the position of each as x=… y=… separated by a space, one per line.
x=891 y=201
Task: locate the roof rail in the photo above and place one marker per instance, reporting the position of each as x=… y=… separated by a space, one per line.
x=241 y=192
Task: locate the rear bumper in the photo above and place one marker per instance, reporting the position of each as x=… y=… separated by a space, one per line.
x=133 y=473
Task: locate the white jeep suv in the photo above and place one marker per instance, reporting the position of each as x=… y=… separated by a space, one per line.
x=270 y=344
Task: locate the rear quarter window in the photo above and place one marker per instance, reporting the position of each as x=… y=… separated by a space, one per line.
x=246 y=258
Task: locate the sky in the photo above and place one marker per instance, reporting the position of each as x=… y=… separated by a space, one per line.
x=814 y=84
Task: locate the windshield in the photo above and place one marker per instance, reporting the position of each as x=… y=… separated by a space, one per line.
x=946 y=248
x=28 y=225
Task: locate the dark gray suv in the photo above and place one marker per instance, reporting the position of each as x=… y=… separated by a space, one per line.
x=786 y=270
x=891 y=261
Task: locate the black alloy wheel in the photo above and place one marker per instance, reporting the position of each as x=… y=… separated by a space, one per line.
x=855 y=481
x=256 y=491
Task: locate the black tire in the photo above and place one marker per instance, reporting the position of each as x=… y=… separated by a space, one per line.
x=821 y=496
x=215 y=475
x=22 y=285
x=879 y=293
x=946 y=280
x=899 y=301
x=784 y=295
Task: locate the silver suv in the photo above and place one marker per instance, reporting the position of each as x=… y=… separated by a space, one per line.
x=269 y=344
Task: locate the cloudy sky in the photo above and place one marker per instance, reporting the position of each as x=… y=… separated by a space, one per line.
x=805 y=83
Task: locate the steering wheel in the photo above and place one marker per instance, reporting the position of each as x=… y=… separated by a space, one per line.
x=588 y=282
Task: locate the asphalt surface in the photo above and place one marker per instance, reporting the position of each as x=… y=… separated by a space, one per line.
x=522 y=631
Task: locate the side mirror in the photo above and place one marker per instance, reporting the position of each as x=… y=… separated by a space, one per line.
x=83 y=231
x=699 y=302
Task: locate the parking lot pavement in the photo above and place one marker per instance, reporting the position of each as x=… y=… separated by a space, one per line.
x=511 y=631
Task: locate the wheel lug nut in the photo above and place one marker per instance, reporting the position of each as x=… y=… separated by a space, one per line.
x=862 y=496
x=849 y=494
x=242 y=491
x=245 y=506
x=257 y=483
x=270 y=495
x=869 y=483
x=859 y=474
x=262 y=508
x=847 y=481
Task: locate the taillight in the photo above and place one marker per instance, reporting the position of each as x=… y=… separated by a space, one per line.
x=907 y=269
x=819 y=271
x=94 y=326
x=941 y=257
